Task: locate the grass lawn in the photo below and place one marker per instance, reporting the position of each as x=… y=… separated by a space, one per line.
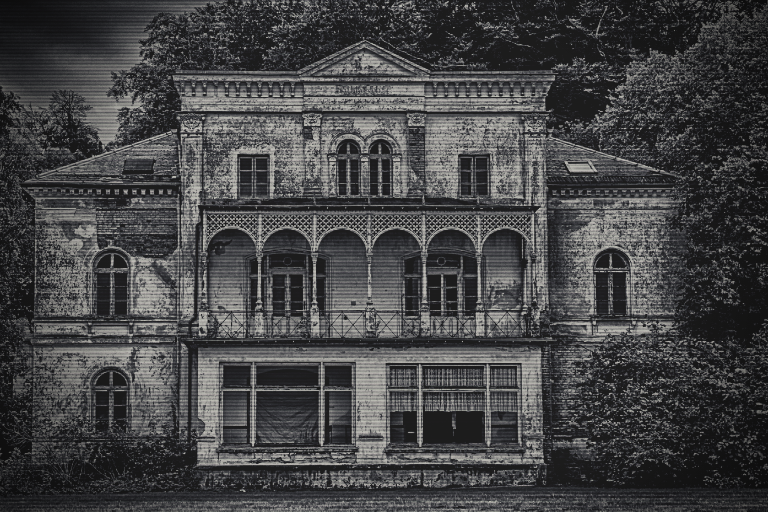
x=496 y=498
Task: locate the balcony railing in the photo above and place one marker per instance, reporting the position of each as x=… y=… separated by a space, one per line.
x=371 y=323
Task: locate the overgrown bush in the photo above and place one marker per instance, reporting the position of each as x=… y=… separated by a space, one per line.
x=74 y=459
x=666 y=410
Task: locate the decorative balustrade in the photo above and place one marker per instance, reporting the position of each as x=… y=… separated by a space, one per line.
x=370 y=323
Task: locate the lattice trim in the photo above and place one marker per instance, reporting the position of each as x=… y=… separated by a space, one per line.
x=355 y=222
x=217 y=222
x=516 y=222
x=301 y=222
x=382 y=222
x=460 y=222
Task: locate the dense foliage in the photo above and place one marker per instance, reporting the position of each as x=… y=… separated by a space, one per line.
x=589 y=43
x=703 y=113
x=31 y=141
x=662 y=410
x=78 y=461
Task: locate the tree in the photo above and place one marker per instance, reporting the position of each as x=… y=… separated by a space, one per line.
x=67 y=112
x=703 y=113
x=663 y=410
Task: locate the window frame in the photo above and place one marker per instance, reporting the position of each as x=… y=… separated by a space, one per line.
x=462 y=277
x=473 y=191
x=348 y=156
x=322 y=389
x=268 y=273
x=611 y=286
x=254 y=175
x=111 y=389
x=418 y=388
x=380 y=157
x=112 y=272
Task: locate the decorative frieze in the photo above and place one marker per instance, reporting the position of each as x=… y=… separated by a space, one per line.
x=191 y=123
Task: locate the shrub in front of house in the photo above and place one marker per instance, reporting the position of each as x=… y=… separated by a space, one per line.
x=666 y=410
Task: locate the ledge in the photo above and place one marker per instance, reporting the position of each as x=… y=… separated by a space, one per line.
x=334 y=448
x=453 y=448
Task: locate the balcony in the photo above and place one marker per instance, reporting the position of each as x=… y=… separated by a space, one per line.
x=365 y=323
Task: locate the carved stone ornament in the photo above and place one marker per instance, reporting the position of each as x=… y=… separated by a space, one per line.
x=536 y=123
x=417 y=119
x=312 y=119
x=191 y=122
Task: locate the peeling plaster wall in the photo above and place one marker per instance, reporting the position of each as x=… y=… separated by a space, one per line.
x=503 y=271
x=640 y=227
x=227 y=134
x=369 y=402
x=70 y=232
x=64 y=374
x=498 y=136
x=346 y=284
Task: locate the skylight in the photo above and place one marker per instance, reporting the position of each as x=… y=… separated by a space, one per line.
x=580 y=167
x=139 y=166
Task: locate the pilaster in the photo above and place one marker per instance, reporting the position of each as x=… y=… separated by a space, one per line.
x=312 y=132
x=417 y=153
x=192 y=191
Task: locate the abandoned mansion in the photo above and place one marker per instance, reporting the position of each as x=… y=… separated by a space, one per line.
x=360 y=273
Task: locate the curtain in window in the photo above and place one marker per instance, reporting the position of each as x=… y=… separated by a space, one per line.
x=504 y=401
x=286 y=417
x=444 y=377
x=504 y=377
x=402 y=401
x=452 y=401
x=402 y=377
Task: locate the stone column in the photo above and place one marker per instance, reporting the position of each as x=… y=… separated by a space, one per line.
x=192 y=194
x=314 y=310
x=370 y=311
x=257 y=317
x=480 y=309
x=313 y=183
x=417 y=154
x=424 y=314
x=535 y=142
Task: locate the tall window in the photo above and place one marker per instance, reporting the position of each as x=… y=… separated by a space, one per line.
x=111 y=274
x=380 y=162
x=348 y=168
x=451 y=284
x=290 y=278
x=459 y=404
x=473 y=176
x=253 y=176
x=611 y=281
x=288 y=401
x=110 y=401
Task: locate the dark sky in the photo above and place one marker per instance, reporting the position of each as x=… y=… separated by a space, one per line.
x=50 y=45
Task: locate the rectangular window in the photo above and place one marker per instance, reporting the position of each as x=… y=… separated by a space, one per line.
x=473 y=176
x=287 y=401
x=459 y=404
x=253 y=176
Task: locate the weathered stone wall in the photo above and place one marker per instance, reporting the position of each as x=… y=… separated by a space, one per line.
x=581 y=227
x=498 y=136
x=64 y=376
x=70 y=232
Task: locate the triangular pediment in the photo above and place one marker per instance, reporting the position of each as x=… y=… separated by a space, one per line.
x=364 y=59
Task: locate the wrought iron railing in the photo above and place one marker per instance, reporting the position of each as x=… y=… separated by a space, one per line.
x=362 y=323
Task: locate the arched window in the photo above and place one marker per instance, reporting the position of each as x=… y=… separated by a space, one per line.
x=381 y=169
x=110 y=401
x=611 y=283
x=111 y=276
x=348 y=168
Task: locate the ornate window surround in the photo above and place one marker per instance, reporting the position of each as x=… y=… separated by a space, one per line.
x=399 y=184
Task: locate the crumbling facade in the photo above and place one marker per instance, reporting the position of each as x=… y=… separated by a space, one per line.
x=363 y=273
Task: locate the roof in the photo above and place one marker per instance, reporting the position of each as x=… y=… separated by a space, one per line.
x=608 y=169
x=161 y=150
